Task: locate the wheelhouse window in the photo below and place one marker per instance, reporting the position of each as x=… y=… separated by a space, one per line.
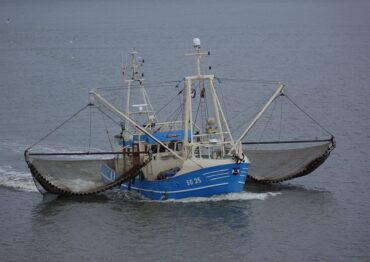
x=154 y=148
x=162 y=149
x=179 y=146
x=171 y=145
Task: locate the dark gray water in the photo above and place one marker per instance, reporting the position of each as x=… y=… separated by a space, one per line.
x=53 y=52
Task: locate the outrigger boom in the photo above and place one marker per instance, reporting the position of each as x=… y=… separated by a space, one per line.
x=278 y=92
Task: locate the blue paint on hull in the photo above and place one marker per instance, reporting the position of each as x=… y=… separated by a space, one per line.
x=203 y=182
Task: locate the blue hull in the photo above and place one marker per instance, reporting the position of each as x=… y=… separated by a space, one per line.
x=203 y=182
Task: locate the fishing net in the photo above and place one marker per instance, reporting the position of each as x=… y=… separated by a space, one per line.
x=69 y=175
x=77 y=169
x=77 y=177
x=272 y=166
x=284 y=142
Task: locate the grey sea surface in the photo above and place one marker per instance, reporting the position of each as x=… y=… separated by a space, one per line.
x=53 y=52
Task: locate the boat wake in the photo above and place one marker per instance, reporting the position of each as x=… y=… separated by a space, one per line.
x=9 y=177
x=241 y=196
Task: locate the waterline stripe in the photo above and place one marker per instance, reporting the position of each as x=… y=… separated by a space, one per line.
x=221 y=174
x=177 y=191
x=219 y=178
x=215 y=171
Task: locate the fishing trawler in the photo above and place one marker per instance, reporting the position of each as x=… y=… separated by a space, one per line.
x=193 y=156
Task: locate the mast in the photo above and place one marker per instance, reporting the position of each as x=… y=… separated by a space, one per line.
x=128 y=95
x=217 y=113
x=220 y=120
x=187 y=87
x=135 y=63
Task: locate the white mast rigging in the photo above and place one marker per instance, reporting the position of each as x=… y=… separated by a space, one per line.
x=217 y=110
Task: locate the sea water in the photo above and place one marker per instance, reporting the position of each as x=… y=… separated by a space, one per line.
x=53 y=52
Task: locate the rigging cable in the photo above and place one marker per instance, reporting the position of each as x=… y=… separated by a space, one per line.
x=106 y=130
x=176 y=112
x=147 y=85
x=223 y=100
x=308 y=115
x=281 y=116
x=90 y=129
x=174 y=116
x=114 y=121
x=201 y=101
x=59 y=126
x=173 y=98
x=196 y=115
x=251 y=80
x=205 y=102
x=268 y=121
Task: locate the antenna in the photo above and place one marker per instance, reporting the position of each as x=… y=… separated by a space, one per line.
x=196 y=43
x=198 y=55
x=122 y=66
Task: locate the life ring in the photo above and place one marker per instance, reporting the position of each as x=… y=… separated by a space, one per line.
x=235 y=171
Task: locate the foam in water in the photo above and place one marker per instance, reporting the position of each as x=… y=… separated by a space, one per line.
x=227 y=197
x=242 y=196
x=10 y=177
x=79 y=185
